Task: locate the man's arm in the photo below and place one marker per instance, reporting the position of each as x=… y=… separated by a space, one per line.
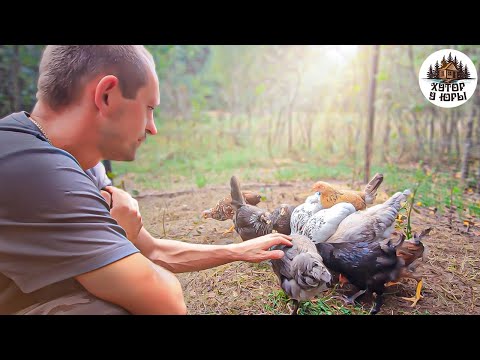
x=178 y=256
x=137 y=285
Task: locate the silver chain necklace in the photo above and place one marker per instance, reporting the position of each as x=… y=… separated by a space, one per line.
x=41 y=129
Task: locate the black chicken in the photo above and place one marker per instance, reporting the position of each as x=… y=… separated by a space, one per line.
x=366 y=264
x=281 y=218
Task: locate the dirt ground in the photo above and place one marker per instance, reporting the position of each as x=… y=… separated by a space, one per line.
x=451 y=281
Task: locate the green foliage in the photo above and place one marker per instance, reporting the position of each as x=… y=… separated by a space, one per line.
x=277 y=302
x=200 y=180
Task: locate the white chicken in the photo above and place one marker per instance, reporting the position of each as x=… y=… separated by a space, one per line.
x=303 y=212
x=325 y=222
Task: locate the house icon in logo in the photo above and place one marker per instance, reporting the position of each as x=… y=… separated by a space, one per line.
x=448 y=72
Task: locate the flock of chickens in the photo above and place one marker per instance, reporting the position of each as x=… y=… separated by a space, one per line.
x=333 y=233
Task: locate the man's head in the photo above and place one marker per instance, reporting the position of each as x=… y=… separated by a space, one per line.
x=116 y=87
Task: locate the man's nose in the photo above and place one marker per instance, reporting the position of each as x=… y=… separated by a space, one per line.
x=151 y=128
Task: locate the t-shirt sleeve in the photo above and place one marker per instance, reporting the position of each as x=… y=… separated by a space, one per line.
x=54 y=223
x=98 y=174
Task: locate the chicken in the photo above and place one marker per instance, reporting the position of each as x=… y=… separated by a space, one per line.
x=301 y=272
x=413 y=252
x=249 y=221
x=374 y=223
x=367 y=264
x=330 y=196
x=324 y=223
x=303 y=212
x=281 y=218
x=223 y=209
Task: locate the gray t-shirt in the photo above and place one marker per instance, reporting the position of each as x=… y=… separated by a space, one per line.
x=54 y=223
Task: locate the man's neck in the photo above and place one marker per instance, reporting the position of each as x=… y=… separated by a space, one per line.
x=67 y=130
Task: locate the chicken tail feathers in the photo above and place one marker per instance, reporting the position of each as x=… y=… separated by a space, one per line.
x=390 y=246
x=396 y=199
x=372 y=187
x=236 y=193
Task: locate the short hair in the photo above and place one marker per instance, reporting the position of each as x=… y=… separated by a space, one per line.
x=65 y=68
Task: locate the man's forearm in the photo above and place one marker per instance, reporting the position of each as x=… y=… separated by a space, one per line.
x=178 y=256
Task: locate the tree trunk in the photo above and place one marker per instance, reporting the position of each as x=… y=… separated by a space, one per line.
x=418 y=137
x=457 y=141
x=290 y=134
x=386 y=136
x=15 y=94
x=310 y=117
x=451 y=133
x=290 y=110
x=371 y=112
x=432 y=134
x=477 y=175
x=468 y=145
x=443 y=135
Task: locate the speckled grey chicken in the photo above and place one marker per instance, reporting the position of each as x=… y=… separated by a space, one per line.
x=249 y=221
x=366 y=264
x=303 y=212
x=223 y=209
x=281 y=218
x=324 y=222
x=374 y=223
x=301 y=271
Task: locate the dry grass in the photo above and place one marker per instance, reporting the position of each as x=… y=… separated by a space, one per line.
x=451 y=282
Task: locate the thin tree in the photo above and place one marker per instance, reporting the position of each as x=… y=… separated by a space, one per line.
x=468 y=144
x=371 y=112
x=466 y=73
x=430 y=73
x=437 y=70
x=460 y=70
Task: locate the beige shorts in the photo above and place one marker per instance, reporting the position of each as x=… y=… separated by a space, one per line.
x=78 y=303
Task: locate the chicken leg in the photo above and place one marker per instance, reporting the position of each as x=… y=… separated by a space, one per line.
x=417 y=296
x=229 y=230
x=351 y=300
x=295 y=309
x=378 y=304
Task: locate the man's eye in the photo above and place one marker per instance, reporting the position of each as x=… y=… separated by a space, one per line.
x=151 y=108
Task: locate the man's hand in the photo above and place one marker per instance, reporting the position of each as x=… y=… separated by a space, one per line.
x=124 y=209
x=256 y=250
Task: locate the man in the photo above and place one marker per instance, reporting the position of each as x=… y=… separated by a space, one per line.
x=66 y=247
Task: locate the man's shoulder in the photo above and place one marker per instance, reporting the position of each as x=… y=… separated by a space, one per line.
x=23 y=149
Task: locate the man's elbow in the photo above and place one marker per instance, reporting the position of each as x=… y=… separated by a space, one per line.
x=178 y=301
x=169 y=291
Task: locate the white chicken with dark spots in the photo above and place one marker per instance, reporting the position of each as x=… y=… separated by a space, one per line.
x=303 y=212
x=301 y=272
x=325 y=222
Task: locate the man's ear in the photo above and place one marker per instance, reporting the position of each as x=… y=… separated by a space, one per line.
x=104 y=91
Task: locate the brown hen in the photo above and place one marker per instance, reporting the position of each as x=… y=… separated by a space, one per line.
x=412 y=251
x=223 y=210
x=329 y=195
